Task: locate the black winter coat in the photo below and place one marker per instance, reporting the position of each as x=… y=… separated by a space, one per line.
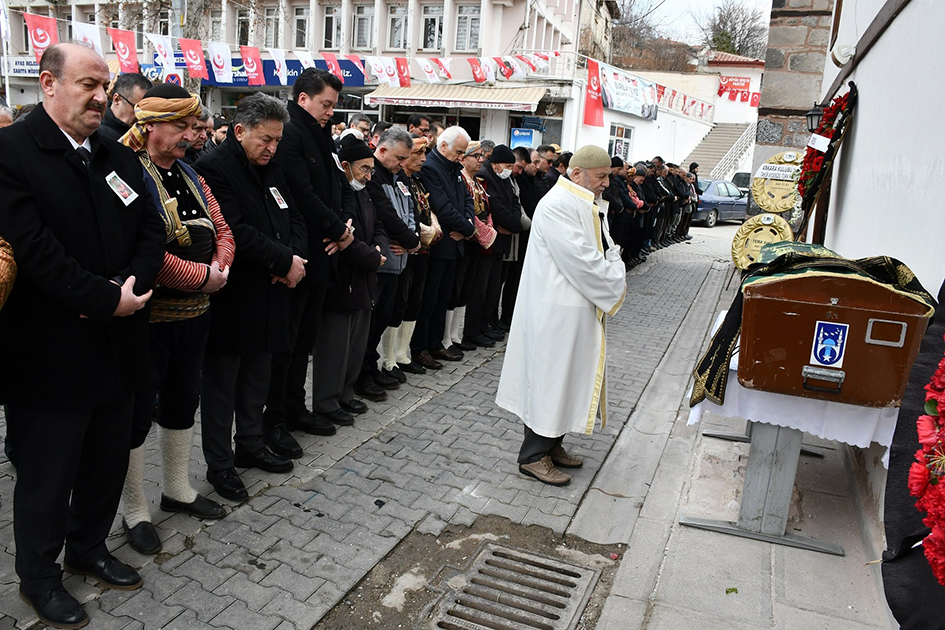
x=356 y=289
x=450 y=201
x=71 y=236
x=112 y=128
x=250 y=315
x=504 y=206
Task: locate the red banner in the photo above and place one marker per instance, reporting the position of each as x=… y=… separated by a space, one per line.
x=660 y=91
x=253 y=65
x=755 y=99
x=193 y=57
x=743 y=97
x=443 y=67
x=403 y=71
x=43 y=33
x=356 y=60
x=506 y=71
x=593 y=105
x=528 y=62
x=477 y=71
x=733 y=95
x=734 y=83
x=124 y=43
x=333 y=67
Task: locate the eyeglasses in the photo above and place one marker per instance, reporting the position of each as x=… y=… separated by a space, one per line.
x=365 y=169
x=478 y=156
x=424 y=130
x=124 y=98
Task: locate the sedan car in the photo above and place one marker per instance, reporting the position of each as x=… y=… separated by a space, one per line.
x=721 y=200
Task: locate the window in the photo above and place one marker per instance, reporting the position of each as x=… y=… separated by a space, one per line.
x=432 y=27
x=242 y=27
x=620 y=141
x=139 y=33
x=301 y=27
x=364 y=26
x=112 y=24
x=332 y=28
x=163 y=23
x=272 y=27
x=467 y=28
x=397 y=28
x=216 y=26
x=733 y=190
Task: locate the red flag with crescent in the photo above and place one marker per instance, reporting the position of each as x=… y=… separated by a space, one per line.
x=356 y=61
x=333 y=66
x=403 y=71
x=193 y=57
x=124 y=43
x=593 y=104
x=252 y=63
x=43 y=33
x=478 y=74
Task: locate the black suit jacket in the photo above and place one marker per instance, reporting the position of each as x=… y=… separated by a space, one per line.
x=71 y=235
x=450 y=201
x=504 y=206
x=250 y=315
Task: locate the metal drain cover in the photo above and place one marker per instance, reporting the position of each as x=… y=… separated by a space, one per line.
x=510 y=589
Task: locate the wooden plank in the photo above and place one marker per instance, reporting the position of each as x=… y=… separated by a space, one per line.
x=769 y=479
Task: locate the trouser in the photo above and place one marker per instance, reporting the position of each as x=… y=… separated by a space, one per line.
x=493 y=292
x=428 y=334
x=464 y=277
x=79 y=452
x=410 y=284
x=386 y=296
x=513 y=277
x=477 y=309
x=177 y=350
x=535 y=446
x=337 y=359
x=232 y=383
x=286 y=397
x=684 y=224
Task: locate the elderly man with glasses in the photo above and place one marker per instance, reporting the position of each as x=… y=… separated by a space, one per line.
x=127 y=90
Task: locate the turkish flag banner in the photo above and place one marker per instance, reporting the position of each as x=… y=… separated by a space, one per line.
x=193 y=57
x=252 y=63
x=660 y=91
x=593 y=105
x=403 y=71
x=528 y=62
x=722 y=89
x=743 y=97
x=43 y=33
x=356 y=61
x=333 y=66
x=733 y=95
x=429 y=70
x=477 y=71
x=444 y=66
x=124 y=44
x=755 y=99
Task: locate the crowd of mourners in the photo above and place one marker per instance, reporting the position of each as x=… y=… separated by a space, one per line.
x=382 y=252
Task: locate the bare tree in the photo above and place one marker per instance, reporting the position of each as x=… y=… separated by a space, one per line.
x=640 y=39
x=735 y=27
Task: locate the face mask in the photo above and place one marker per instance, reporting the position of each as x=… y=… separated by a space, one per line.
x=355 y=184
x=505 y=174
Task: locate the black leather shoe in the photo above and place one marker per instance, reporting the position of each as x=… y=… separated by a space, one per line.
x=109 y=571
x=426 y=360
x=339 y=416
x=57 y=608
x=263 y=459
x=227 y=484
x=395 y=373
x=281 y=442
x=445 y=354
x=483 y=342
x=501 y=325
x=495 y=335
x=368 y=389
x=201 y=507
x=413 y=368
x=386 y=382
x=465 y=346
x=143 y=537
x=311 y=424
x=353 y=406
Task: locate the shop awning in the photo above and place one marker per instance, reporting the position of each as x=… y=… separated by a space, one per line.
x=438 y=95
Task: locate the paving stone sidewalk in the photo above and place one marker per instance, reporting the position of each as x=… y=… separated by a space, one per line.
x=438 y=452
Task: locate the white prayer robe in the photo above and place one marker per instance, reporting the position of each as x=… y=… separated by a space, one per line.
x=553 y=374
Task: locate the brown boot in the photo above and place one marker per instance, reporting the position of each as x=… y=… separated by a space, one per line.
x=544 y=471
x=562 y=458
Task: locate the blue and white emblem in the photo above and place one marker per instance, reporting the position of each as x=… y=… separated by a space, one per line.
x=830 y=342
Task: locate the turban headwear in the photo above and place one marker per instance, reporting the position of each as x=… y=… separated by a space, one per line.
x=164 y=102
x=472 y=147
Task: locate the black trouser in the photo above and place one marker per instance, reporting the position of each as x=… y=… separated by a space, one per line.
x=464 y=277
x=232 y=383
x=513 y=277
x=535 y=446
x=410 y=290
x=380 y=316
x=80 y=451
x=286 y=397
x=477 y=309
x=428 y=335
x=337 y=358
x=176 y=361
x=493 y=292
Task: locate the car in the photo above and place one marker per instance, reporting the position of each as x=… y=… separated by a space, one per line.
x=721 y=200
x=743 y=181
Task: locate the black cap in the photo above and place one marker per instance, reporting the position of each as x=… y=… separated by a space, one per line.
x=501 y=154
x=616 y=162
x=167 y=90
x=352 y=149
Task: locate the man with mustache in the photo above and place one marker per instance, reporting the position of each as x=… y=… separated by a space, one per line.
x=88 y=247
x=197 y=262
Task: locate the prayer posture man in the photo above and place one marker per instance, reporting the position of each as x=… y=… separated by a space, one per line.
x=128 y=89
x=553 y=375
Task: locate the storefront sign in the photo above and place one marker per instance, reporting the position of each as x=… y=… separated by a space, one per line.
x=628 y=93
x=522 y=138
x=734 y=83
x=22 y=67
x=353 y=78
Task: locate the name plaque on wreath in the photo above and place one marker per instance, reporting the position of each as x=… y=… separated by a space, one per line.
x=774 y=187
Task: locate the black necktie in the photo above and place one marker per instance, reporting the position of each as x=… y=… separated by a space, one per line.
x=84 y=155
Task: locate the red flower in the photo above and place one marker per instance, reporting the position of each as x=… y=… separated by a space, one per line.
x=918 y=479
x=928 y=430
x=934 y=547
x=818 y=163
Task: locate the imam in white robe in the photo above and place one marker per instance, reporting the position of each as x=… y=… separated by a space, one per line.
x=553 y=374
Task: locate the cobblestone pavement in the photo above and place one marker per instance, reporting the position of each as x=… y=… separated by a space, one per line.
x=439 y=451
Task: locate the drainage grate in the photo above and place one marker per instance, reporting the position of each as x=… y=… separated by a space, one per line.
x=510 y=589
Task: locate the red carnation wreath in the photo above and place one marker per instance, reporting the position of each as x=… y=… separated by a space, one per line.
x=926 y=475
x=814 y=159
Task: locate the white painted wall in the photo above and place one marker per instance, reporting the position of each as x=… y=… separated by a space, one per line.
x=705 y=86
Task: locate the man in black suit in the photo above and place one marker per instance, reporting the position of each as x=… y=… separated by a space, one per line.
x=249 y=317
x=88 y=244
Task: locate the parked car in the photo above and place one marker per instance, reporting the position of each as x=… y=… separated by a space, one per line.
x=743 y=181
x=721 y=200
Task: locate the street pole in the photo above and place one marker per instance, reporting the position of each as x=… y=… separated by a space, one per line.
x=5 y=51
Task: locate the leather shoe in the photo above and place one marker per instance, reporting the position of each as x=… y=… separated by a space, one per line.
x=281 y=442
x=338 y=416
x=386 y=382
x=367 y=388
x=544 y=471
x=311 y=424
x=109 y=571
x=501 y=325
x=446 y=355
x=353 y=406
x=426 y=360
x=413 y=368
x=493 y=333
x=483 y=342
x=263 y=459
x=57 y=608
x=143 y=537
x=201 y=507
x=227 y=484
x=561 y=457
x=395 y=373
x=466 y=346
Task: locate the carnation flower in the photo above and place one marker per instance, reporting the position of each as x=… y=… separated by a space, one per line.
x=934 y=547
x=918 y=479
x=928 y=430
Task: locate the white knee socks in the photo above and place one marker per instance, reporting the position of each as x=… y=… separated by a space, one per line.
x=175 y=453
x=134 y=505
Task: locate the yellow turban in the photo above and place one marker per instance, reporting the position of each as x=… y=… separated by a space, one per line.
x=158 y=109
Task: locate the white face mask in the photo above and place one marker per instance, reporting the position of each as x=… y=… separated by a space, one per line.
x=505 y=173
x=355 y=184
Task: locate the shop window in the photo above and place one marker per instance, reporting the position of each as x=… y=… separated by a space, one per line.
x=216 y=26
x=364 y=26
x=432 y=27
x=332 y=28
x=621 y=141
x=301 y=27
x=242 y=27
x=467 y=28
x=273 y=40
x=397 y=28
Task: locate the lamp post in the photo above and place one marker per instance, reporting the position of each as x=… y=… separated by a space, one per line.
x=814 y=117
